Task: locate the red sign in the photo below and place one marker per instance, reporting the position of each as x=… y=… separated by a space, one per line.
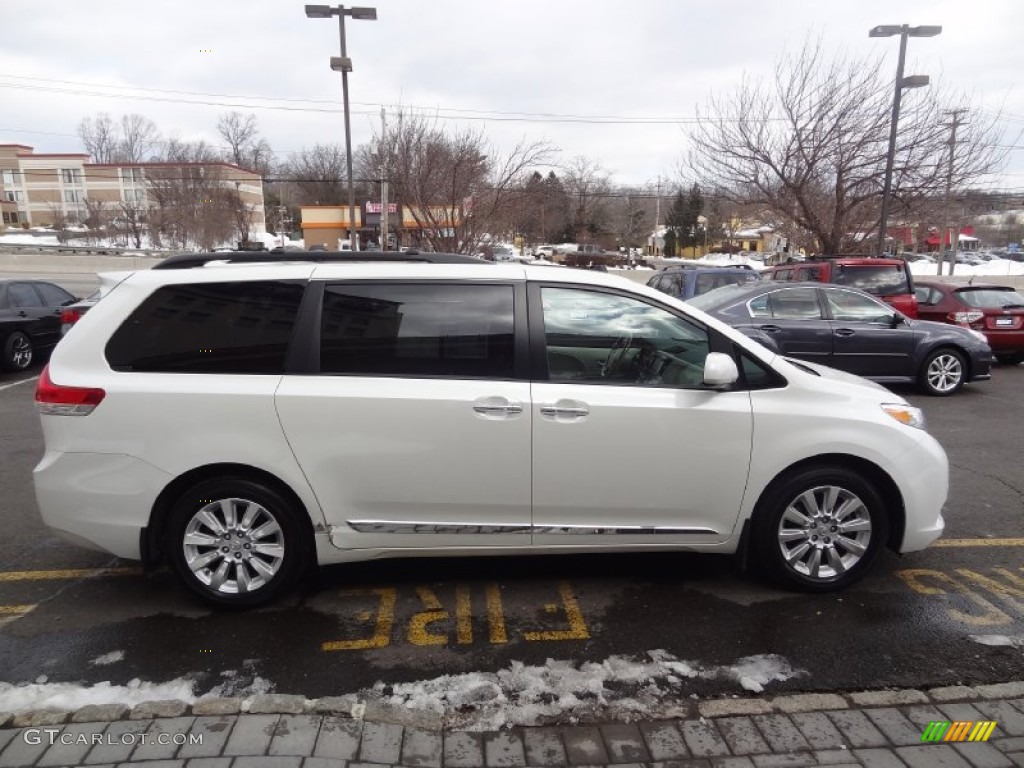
x=377 y=207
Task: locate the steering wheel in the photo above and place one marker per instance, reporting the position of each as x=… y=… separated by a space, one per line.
x=616 y=355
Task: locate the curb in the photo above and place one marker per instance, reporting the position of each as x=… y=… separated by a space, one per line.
x=353 y=707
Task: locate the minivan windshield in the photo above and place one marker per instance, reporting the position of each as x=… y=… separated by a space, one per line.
x=881 y=280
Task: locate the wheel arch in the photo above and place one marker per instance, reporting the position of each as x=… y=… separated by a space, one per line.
x=151 y=537
x=887 y=488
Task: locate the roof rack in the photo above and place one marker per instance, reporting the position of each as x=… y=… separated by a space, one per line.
x=192 y=260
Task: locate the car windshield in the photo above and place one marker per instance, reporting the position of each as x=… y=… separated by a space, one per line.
x=717 y=297
x=881 y=280
x=990 y=298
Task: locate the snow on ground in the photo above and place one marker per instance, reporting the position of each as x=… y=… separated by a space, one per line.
x=15 y=239
x=72 y=696
x=618 y=688
x=1009 y=641
x=559 y=691
x=992 y=268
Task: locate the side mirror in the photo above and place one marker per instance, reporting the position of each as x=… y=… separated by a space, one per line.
x=898 y=319
x=720 y=371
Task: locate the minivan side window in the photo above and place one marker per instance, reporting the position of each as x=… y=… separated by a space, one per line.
x=424 y=329
x=236 y=327
x=595 y=337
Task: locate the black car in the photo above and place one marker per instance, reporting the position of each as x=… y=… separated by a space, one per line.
x=30 y=320
x=853 y=331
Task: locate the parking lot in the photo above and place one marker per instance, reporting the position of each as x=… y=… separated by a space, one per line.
x=953 y=613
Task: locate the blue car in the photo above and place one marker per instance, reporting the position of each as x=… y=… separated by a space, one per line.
x=686 y=281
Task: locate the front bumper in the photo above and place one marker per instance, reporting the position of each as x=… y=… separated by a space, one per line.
x=925 y=487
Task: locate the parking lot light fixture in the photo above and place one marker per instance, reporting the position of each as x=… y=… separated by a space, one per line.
x=343 y=64
x=913 y=81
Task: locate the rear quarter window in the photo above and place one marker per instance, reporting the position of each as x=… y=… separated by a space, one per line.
x=237 y=327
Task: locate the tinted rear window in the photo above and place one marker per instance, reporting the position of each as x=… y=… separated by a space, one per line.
x=389 y=329
x=240 y=327
x=990 y=298
x=881 y=280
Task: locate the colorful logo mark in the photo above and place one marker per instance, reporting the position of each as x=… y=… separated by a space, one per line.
x=961 y=730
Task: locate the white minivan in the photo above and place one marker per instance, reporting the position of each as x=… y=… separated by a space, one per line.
x=241 y=422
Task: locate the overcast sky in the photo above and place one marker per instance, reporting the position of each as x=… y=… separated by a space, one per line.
x=524 y=68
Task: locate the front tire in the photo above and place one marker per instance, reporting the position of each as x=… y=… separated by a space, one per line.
x=236 y=542
x=943 y=372
x=820 y=529
x=17 y=352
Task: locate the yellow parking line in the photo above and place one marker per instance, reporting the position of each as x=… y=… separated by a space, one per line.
x=74 y=573
x=979 y=543
x=15 y=610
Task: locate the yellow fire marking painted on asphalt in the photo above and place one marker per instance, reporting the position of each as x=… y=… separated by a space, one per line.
x=418 y=634
x=385 y=621
x=577 y=626
x=75 y=573
x=15 y=610
x=964 y=589
x=495 y=616
x=955 y=543
x=9 y=613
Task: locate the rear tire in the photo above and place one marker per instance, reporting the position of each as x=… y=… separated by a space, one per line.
x=17 y=353
x=943 y=373
x=819 y=529
x=1012 y=358
x=236 y=542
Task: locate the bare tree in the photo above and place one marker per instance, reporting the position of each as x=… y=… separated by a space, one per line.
x=99 y=136
x=811 y=146
x=318 y=175
x=457 y=187
x=245 y=147
x=133 y=220
x=96 y=213
x=587 y=186
x=138 y=137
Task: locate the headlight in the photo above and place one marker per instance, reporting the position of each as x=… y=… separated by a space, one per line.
x=905 y=414
x=978 y=335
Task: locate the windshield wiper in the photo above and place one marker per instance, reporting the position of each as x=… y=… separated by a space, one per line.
x=1013 y=306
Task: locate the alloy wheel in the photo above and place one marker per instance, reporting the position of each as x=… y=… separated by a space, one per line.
x=233 y=546
x=824 y=532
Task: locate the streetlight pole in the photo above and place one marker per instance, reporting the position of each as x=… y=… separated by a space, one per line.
x=343 y=64
x=915 y=81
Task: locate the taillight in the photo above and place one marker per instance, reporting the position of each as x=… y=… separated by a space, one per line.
x=70 y=316
x=57 y=400
x=965 y=318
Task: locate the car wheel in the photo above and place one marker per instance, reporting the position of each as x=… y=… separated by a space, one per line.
x=1013 y=358
x=17 y=352
x=236 y=542
x=943 y=372
x=820 y=529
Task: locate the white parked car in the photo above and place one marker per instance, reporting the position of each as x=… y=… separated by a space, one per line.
x=241 y=422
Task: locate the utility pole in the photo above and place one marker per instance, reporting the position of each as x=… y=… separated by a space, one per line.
x=383 y=181
x=657 y=214
x=947 y=212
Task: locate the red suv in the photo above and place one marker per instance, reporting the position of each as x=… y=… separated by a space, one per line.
x=995 y=310
x=888 y=279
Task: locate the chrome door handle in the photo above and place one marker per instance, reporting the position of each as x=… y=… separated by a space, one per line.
x=571 y=413
x=844 y=332
x=498 y=410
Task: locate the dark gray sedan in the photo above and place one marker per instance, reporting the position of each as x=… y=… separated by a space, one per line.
x=853 y=331
x=30 y=320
